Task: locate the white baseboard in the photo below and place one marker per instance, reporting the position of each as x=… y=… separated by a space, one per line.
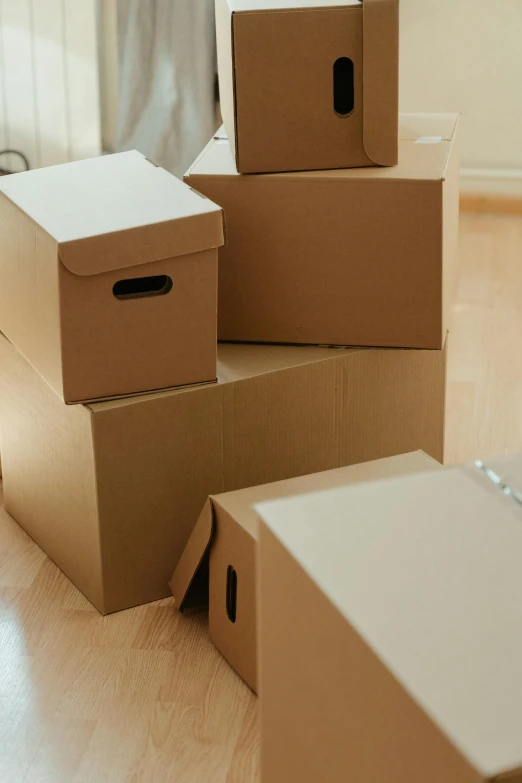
x=492 y=182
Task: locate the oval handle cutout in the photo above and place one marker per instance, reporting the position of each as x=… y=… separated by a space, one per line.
x=344 y=97
x=139 y=287
x=231 y=598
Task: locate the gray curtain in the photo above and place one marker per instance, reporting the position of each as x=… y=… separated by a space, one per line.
x=167 y=79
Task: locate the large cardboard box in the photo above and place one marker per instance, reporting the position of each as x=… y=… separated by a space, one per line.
x=217 y=570
x=348 y=257
x=391 y=630
x=112 y=490
x=309 y=84
x=108 y=276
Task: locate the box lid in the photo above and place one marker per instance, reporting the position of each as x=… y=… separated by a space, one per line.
x=380 y=65
x=189 y=583
x=424 y=145
x=115 y=211
x=427 y=570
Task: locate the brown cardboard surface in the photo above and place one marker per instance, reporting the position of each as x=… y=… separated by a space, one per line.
x=289 y=48
x=112 y=490
x=390 y=630
x=227 y=527
x=349 y=257
x=68 y=234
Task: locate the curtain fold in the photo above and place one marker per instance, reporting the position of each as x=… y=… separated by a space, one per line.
x=167 y=68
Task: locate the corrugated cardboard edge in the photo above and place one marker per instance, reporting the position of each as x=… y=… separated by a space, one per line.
x=191 y=561
x=381 y=81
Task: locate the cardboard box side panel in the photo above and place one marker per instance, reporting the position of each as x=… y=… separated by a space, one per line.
x=48 y=466
x=232 y=609
x=293 y=56
x=156 y=463
x=330 y=710
x=278 y=228
x=225 y=58
x=29 y=315
x=381 y=80
x=100 y=335
x=450 y=227
x=390 y=402
x=290 y=417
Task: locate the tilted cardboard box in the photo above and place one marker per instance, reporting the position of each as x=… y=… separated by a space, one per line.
x=217 y=569
x=309 y=84
x=108 y=277
x=348 y=257
x=391 y=630
x=112 y=490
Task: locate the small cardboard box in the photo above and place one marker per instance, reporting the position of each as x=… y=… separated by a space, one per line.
x=351 y=257
x=217 y=569
x=112 y=490
x=108 y=276
x=309 y=84
x=391 y=630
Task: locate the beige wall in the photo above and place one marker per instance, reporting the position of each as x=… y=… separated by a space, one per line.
x=466 y=55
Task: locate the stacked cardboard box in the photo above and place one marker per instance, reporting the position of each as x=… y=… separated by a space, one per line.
x=217 y=570
x=342 y=229
x=118 y=416
x=390 y=629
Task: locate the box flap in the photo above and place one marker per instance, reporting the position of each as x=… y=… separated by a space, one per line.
x=189 y=583
x=427 y=570
x=381 y=80
x=116 y=211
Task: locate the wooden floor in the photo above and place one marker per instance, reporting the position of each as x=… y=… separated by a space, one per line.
x=143 y=695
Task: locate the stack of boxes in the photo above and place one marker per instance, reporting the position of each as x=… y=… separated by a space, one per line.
x=342 y=229
x=131 y=445
x=118 y=419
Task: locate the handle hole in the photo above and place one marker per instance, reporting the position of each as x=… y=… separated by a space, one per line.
x=139 y=287
x=231 y=594
x=344 y=97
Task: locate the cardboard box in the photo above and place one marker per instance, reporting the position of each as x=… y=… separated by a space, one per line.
x=108 y=276
x=217 y=569
x=112 y=490
x=351 y=257
x=391 y=630
x=309 y=84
